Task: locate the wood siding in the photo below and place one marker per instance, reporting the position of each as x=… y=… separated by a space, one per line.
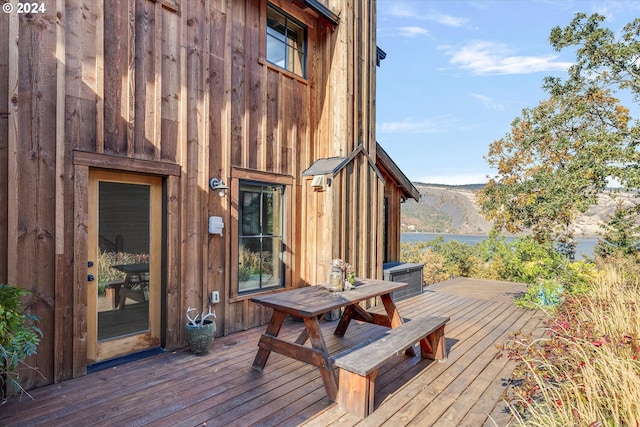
x=394 y=194
x=179 y=89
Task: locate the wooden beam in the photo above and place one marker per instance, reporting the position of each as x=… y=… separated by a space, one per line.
x=125 y=163
x=81 y=348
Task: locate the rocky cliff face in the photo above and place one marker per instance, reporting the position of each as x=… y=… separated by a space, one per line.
x=453 y=209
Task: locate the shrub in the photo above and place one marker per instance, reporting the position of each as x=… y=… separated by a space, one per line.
x=587 y=371
x=549 y=275
x=434 y=265
x=19 y=334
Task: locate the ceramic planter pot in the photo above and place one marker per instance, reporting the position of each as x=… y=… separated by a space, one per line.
x=200 y=337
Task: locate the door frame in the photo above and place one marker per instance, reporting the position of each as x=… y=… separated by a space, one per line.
x=99 y=351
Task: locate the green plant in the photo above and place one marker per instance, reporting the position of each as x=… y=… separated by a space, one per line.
x=549 y=274
x=621 y=234
x=19 y=333
x=248 y=264
x=434 y=269
x=586 y=371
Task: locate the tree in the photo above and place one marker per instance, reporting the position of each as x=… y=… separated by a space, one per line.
x=609 y=60
x=559 y=155
x=621 y=234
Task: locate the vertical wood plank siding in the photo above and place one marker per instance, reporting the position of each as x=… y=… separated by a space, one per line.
x=32 y=168
x=5 y=49
x=181 y=89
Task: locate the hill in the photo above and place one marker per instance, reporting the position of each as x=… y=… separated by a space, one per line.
x=453 y=210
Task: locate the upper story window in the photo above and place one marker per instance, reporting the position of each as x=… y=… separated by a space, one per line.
x=286 y=42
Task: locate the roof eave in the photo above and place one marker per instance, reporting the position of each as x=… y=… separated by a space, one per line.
x=323 y=11
x=407 y=186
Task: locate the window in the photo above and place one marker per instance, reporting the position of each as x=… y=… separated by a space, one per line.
x=286 y=41
x=260 y=240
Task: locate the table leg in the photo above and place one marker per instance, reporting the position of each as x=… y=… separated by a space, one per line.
x=317 y=342
x=116 y=296
x=304 y=335
x=394 y=317
x=344 y=321
x=273 y=329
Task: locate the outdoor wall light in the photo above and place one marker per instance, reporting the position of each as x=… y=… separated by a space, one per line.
x=218 y=185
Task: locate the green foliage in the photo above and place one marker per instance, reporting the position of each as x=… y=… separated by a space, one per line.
x=560 y=154
x=19 y=334
x=250 y=263
x=555 y=161
x=601 y=54
x=430 y=219
x=434 y=269
x=585 y=370
x=621 y=234
x=549 y=275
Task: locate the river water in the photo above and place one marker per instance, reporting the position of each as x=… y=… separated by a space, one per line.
x=584 y=247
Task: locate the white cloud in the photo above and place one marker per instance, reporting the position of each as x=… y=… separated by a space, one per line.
x=401 y=9
x=412 y=31
x=487 y=102
x=409 y=125
x=455 y=179
x=448 y=20
x=484 y=57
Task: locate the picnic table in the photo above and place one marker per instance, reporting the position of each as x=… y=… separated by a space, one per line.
x=133 y=286
x=311 y=304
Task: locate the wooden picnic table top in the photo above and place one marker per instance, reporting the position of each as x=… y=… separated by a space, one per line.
x=142 y=267
x=316 y=300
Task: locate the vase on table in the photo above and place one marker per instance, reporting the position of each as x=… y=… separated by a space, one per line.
x=336 y=279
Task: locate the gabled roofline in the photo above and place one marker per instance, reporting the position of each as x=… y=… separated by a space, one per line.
x=333 y=165
x=409 y=189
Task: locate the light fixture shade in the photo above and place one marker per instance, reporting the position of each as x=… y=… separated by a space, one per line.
x=218 y=185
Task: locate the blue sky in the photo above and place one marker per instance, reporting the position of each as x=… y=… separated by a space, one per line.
x=458 y=72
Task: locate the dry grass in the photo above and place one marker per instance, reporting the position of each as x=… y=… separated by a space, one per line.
x=587 y=373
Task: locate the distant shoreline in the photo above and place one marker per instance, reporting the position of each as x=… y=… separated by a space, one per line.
x=515 y=236
x=585 y=246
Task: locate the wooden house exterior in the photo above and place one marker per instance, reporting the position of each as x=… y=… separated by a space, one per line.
x=115 y=116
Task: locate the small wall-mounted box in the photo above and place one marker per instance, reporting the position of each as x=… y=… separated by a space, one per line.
x=215 y=225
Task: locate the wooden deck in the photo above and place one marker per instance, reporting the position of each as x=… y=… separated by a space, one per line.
x=221 y=389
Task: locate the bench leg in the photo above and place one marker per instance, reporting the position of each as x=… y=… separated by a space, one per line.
x=356 y=393
x=433 y=346
x=111 y=297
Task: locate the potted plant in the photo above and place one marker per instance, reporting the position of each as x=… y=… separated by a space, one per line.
x=200 y=333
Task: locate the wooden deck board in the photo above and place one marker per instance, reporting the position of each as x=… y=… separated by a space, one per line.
x=221 y=388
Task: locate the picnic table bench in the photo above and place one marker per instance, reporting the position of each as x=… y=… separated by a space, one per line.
x=358 y=366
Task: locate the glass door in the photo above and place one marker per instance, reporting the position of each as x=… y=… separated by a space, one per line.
x=125 y=227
